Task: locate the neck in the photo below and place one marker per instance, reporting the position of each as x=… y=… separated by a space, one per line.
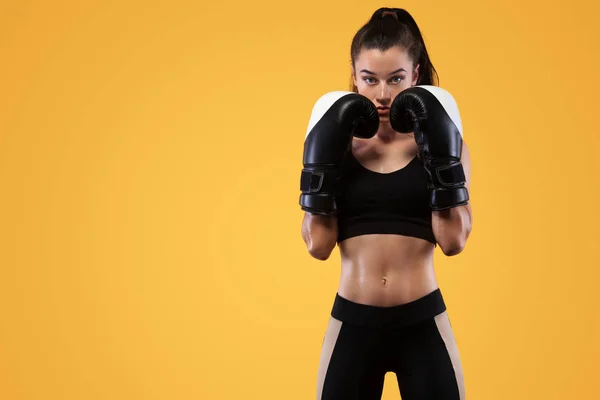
x=387 y=134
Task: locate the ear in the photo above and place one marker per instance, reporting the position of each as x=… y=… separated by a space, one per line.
x=353 y=72
x=416 y=75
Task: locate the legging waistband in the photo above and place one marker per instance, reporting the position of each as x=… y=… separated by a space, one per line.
x=401 y=315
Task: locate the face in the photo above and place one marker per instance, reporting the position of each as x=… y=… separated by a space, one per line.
x=380 y=76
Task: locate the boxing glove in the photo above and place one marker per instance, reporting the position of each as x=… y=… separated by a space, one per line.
x=432 y=114
x=336 y=118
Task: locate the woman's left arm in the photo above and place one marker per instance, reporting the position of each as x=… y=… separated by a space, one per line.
x=452 y=227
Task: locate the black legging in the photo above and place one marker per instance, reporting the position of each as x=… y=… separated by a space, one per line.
x=413 y=340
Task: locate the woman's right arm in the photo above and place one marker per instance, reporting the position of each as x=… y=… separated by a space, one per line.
x=320 y=234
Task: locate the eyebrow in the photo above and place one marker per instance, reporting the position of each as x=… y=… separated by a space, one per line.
x=392 y=73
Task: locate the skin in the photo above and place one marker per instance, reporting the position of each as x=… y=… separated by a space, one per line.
x=381 y=269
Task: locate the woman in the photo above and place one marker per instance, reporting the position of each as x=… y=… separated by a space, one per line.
x=388 y=314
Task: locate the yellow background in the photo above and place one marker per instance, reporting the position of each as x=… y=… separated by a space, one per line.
x=150 y=155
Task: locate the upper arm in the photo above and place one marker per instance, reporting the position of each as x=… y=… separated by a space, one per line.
x=465 y=158
x=466 y=163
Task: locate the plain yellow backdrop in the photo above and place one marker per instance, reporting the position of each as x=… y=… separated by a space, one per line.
x=150 y=157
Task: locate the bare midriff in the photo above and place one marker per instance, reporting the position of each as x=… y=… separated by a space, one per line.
x=386 y=270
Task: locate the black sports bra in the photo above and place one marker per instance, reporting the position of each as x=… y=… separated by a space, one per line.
x=387 y=203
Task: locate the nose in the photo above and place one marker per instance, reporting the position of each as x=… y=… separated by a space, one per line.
x=384 y=95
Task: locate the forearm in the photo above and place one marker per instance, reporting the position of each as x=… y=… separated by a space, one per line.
x=452 y=228
x=319 y=233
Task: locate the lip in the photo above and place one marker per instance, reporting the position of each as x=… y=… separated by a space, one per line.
x=383 y=110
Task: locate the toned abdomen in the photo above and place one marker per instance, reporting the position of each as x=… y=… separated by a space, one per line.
x=386 y=270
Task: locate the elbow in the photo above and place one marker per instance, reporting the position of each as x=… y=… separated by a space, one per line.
x=321 y=256
x=453 y=248
x=321 y=253
x=455 y=245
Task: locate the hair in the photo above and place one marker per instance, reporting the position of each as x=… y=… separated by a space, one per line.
x=389 y=27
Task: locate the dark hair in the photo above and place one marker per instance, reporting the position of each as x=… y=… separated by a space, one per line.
x=389 y=27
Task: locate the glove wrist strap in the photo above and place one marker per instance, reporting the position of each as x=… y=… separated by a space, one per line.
x=442 y=199
x=318 y=180
x=448 y=174
x=318 y=186
x=447 y=180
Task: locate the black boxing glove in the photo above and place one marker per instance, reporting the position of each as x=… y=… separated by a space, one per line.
x=432 y=114
x=336 y=118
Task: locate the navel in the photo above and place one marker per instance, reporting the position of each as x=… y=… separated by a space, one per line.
x=384 y=281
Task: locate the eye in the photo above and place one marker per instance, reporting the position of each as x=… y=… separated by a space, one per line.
x=369 y=80
x=397 y=79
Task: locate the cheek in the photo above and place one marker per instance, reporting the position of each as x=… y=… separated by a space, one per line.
x=363 y=88
x=405 y=84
